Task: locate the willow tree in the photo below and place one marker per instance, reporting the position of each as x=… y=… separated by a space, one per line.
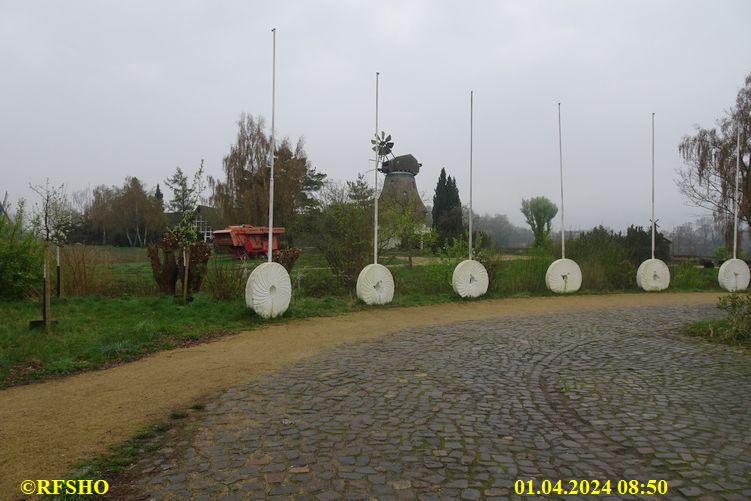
x=243 y=194
x=539 y=213
x=707 y=178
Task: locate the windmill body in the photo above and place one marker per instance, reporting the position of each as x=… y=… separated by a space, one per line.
x=399 y=187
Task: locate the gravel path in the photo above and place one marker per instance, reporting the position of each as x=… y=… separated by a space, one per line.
x=461 y=411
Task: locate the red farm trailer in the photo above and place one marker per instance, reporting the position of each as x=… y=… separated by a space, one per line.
x=247 y=239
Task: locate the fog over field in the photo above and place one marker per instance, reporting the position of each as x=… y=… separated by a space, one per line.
x=93 y=91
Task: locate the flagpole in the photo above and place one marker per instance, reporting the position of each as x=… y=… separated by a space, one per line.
x=735 y=199
x=273 y=144
x=471 y=137
x=653 y=186
x=375 y=193
x=560 y=161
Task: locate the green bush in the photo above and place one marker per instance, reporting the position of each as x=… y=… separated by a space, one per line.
x=604 y=260
x=225 y=279
x=346 y=240
x=638 y=244
x=738 y=325
x=692 y=277
x=492 y=264
x=21 y=258
x=723 y=253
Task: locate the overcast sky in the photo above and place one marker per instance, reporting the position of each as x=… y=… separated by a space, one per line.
x=93 y=91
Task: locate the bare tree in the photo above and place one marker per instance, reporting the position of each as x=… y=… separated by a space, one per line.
x=708 y=176
x=52 y=221
x=243 y=194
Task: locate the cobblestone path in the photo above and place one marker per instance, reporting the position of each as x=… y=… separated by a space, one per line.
x=462 y=411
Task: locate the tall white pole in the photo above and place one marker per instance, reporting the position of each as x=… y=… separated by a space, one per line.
x=560 y=161
x=375 y=193
x=471 y=137
x=653 y=186
x=273 y=147
x=735 y=198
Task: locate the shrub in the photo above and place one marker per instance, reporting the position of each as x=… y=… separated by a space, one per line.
x=738 y=325
x=21 y=258
x=287 y=257
x=689 y=276
x=454 y=251
x=198 y=258
x=723 y=254
x=638 y=245
x=86 y=270
x=491 y=262
x=346 y=232
x=226 y=279
x=603 y=259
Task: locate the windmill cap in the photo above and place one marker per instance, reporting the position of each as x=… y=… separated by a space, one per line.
x=402 y=163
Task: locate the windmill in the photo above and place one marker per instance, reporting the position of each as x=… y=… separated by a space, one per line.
x=399 y=188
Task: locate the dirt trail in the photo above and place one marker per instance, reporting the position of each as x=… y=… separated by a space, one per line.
x=47 y=427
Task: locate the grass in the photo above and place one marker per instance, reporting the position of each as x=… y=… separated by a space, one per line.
x=718 y=331
x=113 y=466
x=117 y=460
x=122 y=456
x=709 y=329
x=95 y=332
x=735 y=330
x=123 y=254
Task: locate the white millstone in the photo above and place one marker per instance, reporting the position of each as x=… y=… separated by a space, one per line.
x=375 y=285
x=268 y=290
x=734 y=275
x=563 y=276
x=470 y=279
x=653 y=275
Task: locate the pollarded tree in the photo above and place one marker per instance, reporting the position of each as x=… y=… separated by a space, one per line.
x=539 y=213
x=708 y=177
